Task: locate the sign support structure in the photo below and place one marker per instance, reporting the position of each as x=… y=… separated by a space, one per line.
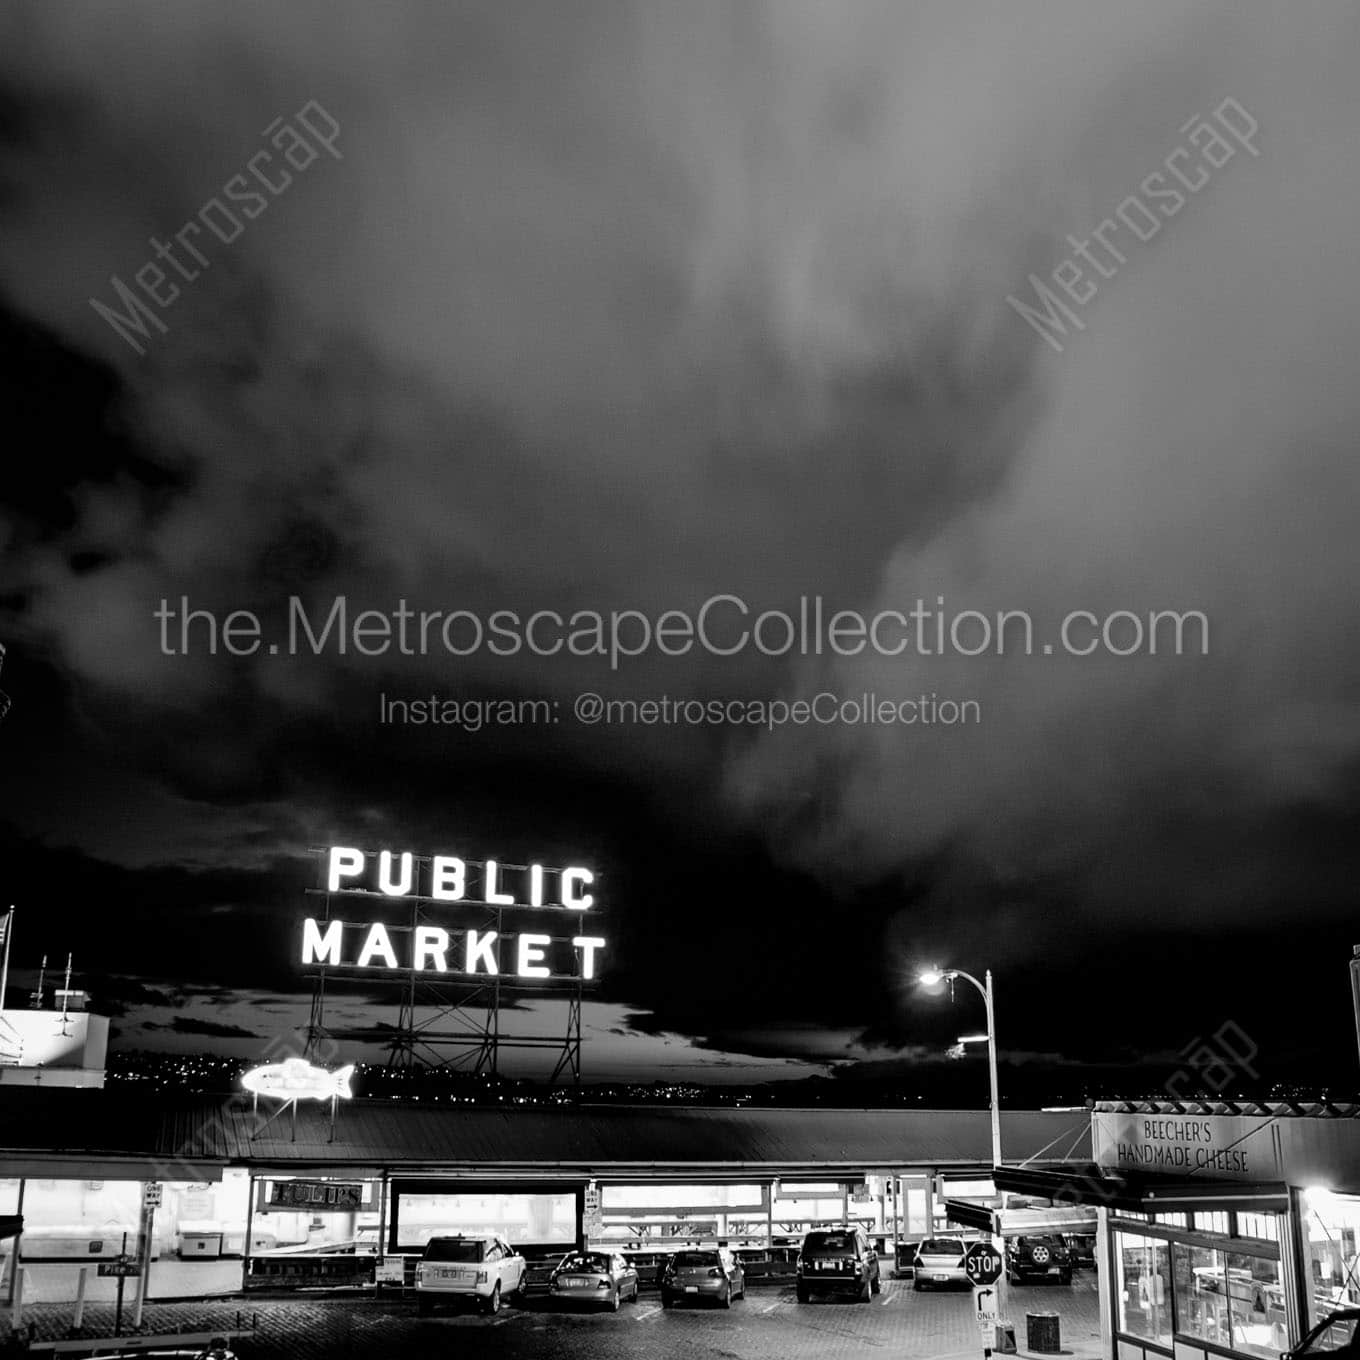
x=983 y=1264
x=445 y=1020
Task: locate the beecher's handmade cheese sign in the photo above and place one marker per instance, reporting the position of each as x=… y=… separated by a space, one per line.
x=533 y=895
x=1222 y=1147
x=335 y=1197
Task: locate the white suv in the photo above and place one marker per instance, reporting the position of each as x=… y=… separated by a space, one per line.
x=485 y=1269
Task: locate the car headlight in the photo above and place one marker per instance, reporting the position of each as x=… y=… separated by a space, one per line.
x=603 y=1284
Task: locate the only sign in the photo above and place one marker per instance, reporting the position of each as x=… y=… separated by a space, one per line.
x=982 y=1263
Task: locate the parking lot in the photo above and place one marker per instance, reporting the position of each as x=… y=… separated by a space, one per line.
x=768 y=1325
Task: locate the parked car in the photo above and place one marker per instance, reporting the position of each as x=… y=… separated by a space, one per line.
x=1336 y=1332
x=216 y=1349
x=594 y=1277
x=704 y=1273
x=939 y=1261
x=1044 y=1256
x=837 y=1261
x=1083 y=1248
x=486 y=1270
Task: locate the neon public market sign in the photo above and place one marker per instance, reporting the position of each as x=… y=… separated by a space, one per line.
x=430 y=884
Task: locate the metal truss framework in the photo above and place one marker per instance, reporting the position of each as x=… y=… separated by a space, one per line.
x=448 y=1020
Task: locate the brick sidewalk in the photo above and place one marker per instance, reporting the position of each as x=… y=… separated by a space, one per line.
x=770 y=1325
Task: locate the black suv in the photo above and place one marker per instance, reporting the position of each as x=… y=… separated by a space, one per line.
x=1042 y=1257
x=837 y=1261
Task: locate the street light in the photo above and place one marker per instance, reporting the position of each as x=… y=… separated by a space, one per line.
x=933 y=977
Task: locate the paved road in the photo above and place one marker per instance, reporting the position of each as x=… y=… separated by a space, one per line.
x=769 y=1325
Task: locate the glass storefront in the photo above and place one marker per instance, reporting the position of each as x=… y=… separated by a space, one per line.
x=1144 y=1284
x=520 y=1217
x=1330 y=1231
x=1210 y=1277
x=197 y=1242
x=282 y=1222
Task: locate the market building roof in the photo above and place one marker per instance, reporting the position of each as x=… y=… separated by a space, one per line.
x=40 y=1130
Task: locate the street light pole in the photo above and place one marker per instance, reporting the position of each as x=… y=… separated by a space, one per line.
x=932 y=977
x=991 y=1059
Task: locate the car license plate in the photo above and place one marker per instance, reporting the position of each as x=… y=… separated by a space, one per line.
x=691 y=1289
x=942 y=1277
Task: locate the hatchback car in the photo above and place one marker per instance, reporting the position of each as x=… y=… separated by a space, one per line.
x=484 y=1270
x=939 y=1262
x=702 y=1274
x=837 y=1261
x=594 y=1277
x=1042 y=1257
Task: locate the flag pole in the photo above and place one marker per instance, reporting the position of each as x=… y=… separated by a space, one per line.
x=4 y=967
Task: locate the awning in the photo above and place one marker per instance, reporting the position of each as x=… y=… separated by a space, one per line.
x=1015 y=1222
x=1138 y=1192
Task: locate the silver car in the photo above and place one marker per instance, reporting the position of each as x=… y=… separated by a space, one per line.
x=594 y=1277
x=704 y=1273
x=939 y=1261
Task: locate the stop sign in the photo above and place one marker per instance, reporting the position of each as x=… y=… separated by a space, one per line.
x=982 y=1263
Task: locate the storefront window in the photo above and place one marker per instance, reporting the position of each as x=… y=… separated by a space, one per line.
x=1144 y=1287
x=522 y=1218
x=1262 y=1227
x=636 y=1216
x=1201 y=1294
x=1234 y=1301
x=1331 y=1227
x=298 y=1215
x=1256 y=1306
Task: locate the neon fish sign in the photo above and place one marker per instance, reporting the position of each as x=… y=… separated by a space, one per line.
x=297 y=1079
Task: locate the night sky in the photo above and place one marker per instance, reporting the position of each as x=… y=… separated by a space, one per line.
x=624 y=306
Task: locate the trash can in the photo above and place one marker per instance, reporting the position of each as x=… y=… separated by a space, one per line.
x=1042 y=1333
x=1005 y=1338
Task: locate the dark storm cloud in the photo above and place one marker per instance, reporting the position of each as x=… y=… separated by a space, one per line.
x=209 y=1029
x=621 y=306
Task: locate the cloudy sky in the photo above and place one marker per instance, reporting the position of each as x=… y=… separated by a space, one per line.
x=622 y=306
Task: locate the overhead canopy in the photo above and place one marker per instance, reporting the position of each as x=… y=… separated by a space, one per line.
x=1138 y=1192
x=1014 y=1222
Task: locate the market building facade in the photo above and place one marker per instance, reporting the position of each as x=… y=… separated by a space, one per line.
x=305 y=1196
x=1225 y=1228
